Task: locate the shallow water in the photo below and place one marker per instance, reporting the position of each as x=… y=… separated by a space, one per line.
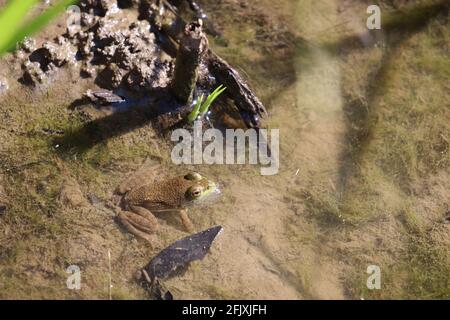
x=299 y=57
x=280 y=241
x=257 y=256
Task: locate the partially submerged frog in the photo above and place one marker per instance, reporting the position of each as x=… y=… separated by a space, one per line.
x=170 y=195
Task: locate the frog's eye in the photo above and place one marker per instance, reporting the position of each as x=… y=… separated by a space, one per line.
x=193 y=176
x=195 y=192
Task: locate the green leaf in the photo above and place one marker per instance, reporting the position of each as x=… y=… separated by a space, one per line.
x=194 y=113
x=15 y=30
x=213 y=96
x=11 y=18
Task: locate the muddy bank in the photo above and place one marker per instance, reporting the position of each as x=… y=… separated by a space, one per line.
x=134 y=49
x=110 y=45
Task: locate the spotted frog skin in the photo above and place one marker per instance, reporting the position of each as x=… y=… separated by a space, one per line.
x=170 y=195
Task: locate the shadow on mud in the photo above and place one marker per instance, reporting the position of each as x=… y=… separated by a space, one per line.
x=119 y=122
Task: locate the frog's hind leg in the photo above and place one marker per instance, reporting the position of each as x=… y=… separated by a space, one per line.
x=132 y=229
x=141 y=222
x=150 y=220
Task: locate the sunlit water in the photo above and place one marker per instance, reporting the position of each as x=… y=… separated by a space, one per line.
x=270 y=248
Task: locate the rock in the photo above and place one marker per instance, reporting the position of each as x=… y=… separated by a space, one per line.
x=57 y=54
x=122 y=56
x=87 y=71
x=148 y=10
x=88 y=20
x=33 y=73
x=99 y=7
x=106 y=50
x=47 y=59
x=86 y=43
x=139 y=77
x=28 y=45
x=106 y=33
x=110 y=77
x=140 y=40
x=103 y=97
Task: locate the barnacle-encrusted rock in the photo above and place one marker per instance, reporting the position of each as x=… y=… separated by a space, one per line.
x=58 y=54
x=33 y=73
x=110 y=77
x=28 y=45
x=107 y=49
x=99 y=7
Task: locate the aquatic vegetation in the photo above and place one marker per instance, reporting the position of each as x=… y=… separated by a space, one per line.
x=201 y=108
x=12 y=19
x=196 y=111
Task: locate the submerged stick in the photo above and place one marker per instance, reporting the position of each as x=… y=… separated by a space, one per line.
x=246 y=101
x=193 y=45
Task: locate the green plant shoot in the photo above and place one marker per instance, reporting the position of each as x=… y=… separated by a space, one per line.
x=200 y=108
x=194 y=113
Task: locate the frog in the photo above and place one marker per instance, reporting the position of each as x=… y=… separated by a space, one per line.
x=139 y=202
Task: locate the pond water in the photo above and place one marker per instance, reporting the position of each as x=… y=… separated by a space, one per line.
x=313 y=64
x=258 y=255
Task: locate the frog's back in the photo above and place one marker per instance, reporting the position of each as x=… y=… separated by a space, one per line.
x=168 y=194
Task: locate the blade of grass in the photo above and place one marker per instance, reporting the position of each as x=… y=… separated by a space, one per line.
x=194 y=113
x=11 y=18
x=213 y=96
x=18 y=34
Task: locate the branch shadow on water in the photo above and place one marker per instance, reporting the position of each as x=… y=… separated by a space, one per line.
x=125 y=119
x=362 y=115
x=405 y=24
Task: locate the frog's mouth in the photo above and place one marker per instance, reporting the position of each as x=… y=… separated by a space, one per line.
x=211 y=189
x=209 y=194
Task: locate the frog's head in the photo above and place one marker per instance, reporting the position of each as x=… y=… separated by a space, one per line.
x=199 y=187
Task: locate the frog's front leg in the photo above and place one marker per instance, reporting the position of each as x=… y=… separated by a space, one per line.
x=140 y=222
x=187 y=223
